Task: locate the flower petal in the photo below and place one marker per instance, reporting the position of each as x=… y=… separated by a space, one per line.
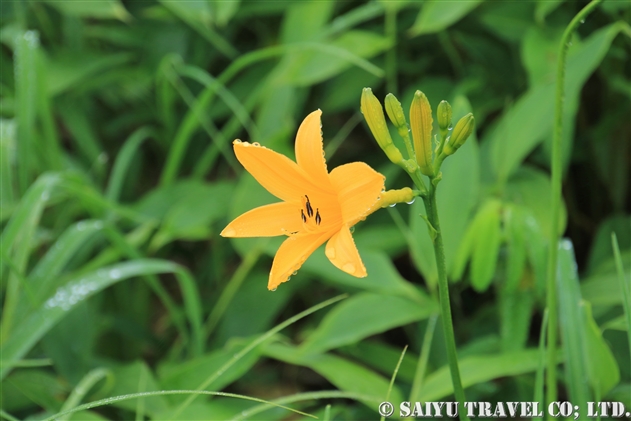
x=281 y=218
x=310 y=151
x=342 y=252
x=292 y=254
x=278 y=174
x=358 y=187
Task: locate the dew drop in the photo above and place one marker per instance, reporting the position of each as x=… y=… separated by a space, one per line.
x=295 y=273
x=582 y=20
x=237 y=141
x=228 y=232
x=273 y=289
x=115 y=274
x=450 y=127
x=348 y=268
x=256 y=144
x=383 y=190
x=392 y=205
x=352 y=229
x=411 y=201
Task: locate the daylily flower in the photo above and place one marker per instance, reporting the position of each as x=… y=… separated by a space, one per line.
x=316 y=206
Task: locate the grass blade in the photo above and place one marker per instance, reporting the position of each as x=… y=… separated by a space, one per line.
x=625 y=285
x=16 y=242
x=114 y=399
x=30 y=330
x=254 y=344
x=123 y=161
x=394 y=376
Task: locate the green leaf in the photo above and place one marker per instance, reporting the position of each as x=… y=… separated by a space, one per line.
x=603 y=369
x=343 y=374
x=328 y=60
x=364 y=315
x=137 y=377
x=198 y=15
x=27 y=54
x=530 y=120
x=436 y=16
x=190 y=374
x=305 y=21
x=17 y=239
x=31 y=329
x=573 y=326
x=26 y=389
x=68 y=71
x=382 y=277
x=479 y=369
x=482 y=242
x=601 y=245
x=545 y=7
x=531 y=188
x=190 y=217
x=7 y=165
x=102 y=9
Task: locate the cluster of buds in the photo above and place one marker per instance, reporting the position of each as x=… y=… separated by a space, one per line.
x=421 y=156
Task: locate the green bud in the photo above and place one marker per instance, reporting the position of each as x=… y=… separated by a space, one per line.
x=443 y=115
x=461 y=132
x=373 y=113
x=396 y=115
x=421 y=125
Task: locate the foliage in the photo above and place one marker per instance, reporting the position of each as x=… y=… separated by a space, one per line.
x=116 y=176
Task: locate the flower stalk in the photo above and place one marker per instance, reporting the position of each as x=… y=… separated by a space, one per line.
x=428 y=163
x=557 y=169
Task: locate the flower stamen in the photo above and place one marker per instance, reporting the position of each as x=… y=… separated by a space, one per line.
x=309 y=208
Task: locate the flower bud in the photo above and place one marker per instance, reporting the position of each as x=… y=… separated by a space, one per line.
x=421 y=125
x=373 y=113
x=396 y=115
x=462 y=131
x=392 y=197
x=443 y=115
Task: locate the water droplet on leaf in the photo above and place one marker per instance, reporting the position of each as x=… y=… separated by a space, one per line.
x=411 y=201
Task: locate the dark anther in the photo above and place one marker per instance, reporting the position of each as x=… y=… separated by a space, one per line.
x=302 y=214
x=318 y=217
x=309 y=208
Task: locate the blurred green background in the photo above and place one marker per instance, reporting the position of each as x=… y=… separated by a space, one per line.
x=117 y=175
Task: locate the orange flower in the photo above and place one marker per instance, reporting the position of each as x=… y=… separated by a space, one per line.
x=317 y=205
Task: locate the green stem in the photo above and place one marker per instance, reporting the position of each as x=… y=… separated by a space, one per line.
x=551 y=380
x=431 y=209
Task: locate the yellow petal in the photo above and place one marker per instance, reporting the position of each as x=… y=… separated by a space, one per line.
x=292 y=254
x=278 y=174
x=310 y=151
x=358 y=187
x=266 y=221
x=342 y=252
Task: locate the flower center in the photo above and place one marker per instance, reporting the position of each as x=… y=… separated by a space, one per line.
x=310 y=219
